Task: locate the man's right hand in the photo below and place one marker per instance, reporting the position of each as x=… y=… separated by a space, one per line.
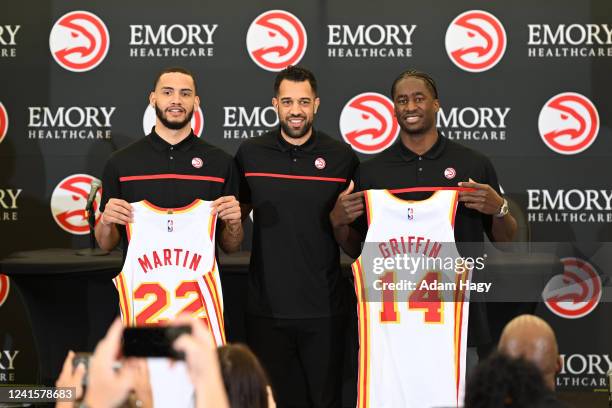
x=349 y=206
x=117 y=211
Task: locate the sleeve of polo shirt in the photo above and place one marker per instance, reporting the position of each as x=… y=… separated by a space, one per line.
x=490 y=178
x=111 y=188
x=244 y=191
x=360 y=224
x=232 y=181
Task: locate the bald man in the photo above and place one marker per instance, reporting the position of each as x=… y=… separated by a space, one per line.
x=531 y=338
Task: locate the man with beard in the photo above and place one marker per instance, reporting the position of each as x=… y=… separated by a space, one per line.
x=297 y=299
x=422 y=158
x=170 y=168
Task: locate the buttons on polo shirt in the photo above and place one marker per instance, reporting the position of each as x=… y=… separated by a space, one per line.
x=420 y=169
x=171 y=157
x=171 y=147
x=420 y=158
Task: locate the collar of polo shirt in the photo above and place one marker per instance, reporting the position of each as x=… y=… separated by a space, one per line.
x=307 y=146
x=433 y=153
x=161 y=145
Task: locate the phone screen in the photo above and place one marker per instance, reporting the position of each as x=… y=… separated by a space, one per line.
x=153 y=341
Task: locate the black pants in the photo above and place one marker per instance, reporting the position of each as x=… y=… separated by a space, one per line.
x=303 y=358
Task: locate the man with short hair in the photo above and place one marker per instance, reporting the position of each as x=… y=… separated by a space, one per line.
x=297 y=305
x=170 y=168
x=423 y=158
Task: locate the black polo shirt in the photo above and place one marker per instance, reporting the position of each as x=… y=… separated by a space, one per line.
x=295 y=267
x=444 y=165
x=168 y=176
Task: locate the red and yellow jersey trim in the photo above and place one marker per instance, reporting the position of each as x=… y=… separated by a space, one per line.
x=363 y=382
x=368 y=206
x=459 y=306
x=211 y=284
x=160 y=210
x=124 y=300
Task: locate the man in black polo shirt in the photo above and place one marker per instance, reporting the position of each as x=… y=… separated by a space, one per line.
x=422 y=158
x=171 y=167
x=297 y=303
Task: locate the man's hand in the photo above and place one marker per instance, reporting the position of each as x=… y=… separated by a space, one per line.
x=108 y=387
x=117 y=211
x=485 y=199
x=71 y=377
x=202 y=363
x=227 y=209
x=348 y=207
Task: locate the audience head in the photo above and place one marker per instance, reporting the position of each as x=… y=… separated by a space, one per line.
x=246 y=383
x=531 y=338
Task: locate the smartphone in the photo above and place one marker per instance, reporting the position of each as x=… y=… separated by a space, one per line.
x=155 y=341
x=82 y=358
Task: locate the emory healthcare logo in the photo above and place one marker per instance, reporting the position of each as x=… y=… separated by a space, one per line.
x=367 y=123
x=576 y=292
x=4 y=288
x=568 y=123
x=3 y=122
x=475 y=41
x=197 y=121
x=79 y=41
x=68 y=203
x=276 y=39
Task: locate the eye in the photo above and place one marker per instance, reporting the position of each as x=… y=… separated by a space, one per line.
x=166 y=92
x=419 y=99
x=305 y=102
x=286 y=102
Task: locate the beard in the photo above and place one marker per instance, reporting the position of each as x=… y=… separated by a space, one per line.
x=173 y=125
x=295 y=133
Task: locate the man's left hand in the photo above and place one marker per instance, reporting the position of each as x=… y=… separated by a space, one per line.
x=484 y=199
x=227 y=209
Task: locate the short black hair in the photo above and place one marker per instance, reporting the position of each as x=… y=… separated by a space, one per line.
x=429 y=82
x=502 y=381
x=295 y=74
x=180 y=70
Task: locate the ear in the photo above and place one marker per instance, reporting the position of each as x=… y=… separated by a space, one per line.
x=317 y=102
x=152 y=99
x=559 y=365
x=275 y=103
x=436 y=105
x=197 y=102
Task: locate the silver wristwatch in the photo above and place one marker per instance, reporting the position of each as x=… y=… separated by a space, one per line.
x=503 y=210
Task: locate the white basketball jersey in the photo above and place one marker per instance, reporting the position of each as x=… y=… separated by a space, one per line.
x=412 y=338
x=170 y=267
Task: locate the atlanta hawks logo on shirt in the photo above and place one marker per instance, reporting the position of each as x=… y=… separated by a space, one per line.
x=450 y=173
x=197 y=162
x=320 y=163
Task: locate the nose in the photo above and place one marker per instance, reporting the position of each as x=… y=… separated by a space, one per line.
x=411 y=105
x=295 y=109
x=175 y=99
